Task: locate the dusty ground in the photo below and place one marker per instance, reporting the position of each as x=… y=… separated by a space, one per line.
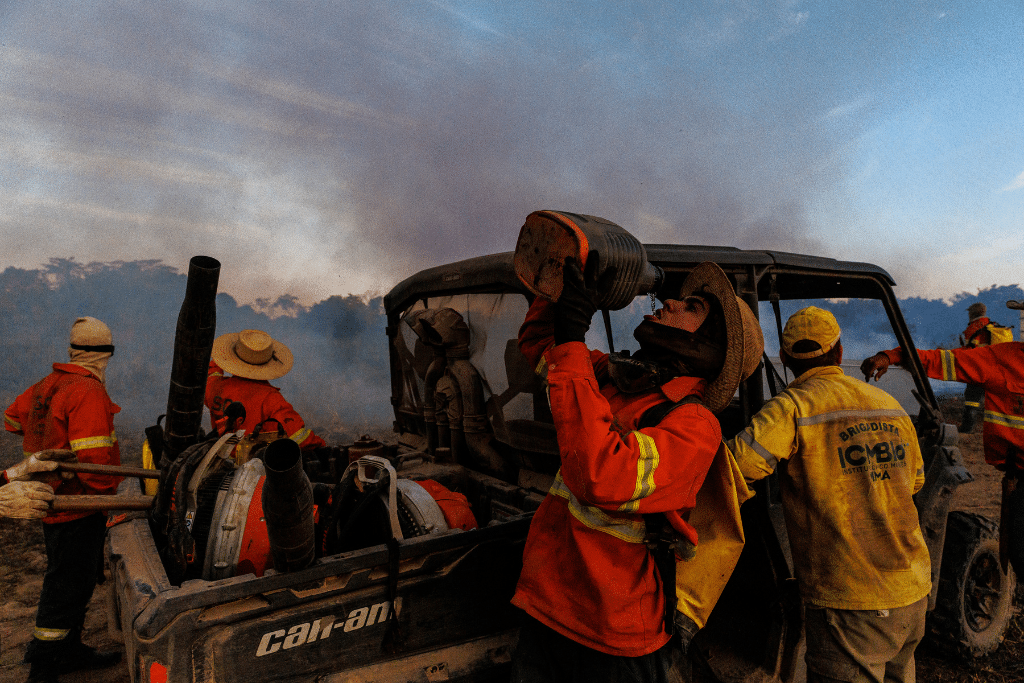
x=22 y=561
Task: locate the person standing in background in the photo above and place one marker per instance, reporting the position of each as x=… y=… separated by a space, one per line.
x=70 y=410
x=975 y=335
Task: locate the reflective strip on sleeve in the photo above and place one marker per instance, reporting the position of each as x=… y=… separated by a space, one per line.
x=646 y=464
x=93 y=442
x=848 y=415
x=50 y=633
x=628 y=530
x=301 y=435
x=769 y=459
x=971 y=404
x=14 y=424
x=1004 y=420
x=948 y=366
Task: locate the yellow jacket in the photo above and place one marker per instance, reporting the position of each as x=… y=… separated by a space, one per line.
x=854 y=463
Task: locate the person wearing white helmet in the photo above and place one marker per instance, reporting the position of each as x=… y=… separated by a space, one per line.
x=69 y=410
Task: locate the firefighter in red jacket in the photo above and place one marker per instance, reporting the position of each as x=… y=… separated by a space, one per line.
x=998 y=368
x=592 y=596
x=70 y=409
x=253 y=358
x=975 y=335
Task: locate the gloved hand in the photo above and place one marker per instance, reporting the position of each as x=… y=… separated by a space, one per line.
x=685 y=628
x=576 y=305
x=38 y=463
x=877 y=365
x=25 y=499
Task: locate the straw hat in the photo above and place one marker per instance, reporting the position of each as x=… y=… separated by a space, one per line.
x=252 y=354
x=744 y=339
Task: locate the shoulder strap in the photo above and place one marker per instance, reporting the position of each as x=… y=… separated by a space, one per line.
x=653 y=416
x=661 y=537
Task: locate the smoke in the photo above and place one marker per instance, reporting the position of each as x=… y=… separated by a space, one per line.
x=339 y=380
x=333 y=148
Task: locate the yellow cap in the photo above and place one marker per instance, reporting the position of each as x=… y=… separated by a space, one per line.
x=813 y=324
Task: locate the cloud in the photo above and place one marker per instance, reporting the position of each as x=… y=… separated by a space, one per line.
x=1017 y=184
x=993 y=248
x=338 y=147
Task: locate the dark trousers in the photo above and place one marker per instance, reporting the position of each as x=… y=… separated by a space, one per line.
x=546 y=656
x=974 y=407
x=74 y=552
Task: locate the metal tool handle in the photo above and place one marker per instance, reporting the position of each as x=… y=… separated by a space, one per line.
x=116 y=470
x=98 y=503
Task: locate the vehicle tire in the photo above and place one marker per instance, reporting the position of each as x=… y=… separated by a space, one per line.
x=975 y=598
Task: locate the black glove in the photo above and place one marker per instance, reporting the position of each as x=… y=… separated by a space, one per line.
x=576 y=305
x=686 y=628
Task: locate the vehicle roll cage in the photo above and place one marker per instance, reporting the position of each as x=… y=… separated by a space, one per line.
x=759 y=276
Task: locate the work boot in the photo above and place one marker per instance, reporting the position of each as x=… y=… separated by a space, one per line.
x=43 y=672
x=80 y=657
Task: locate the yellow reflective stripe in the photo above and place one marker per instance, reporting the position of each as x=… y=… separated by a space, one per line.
x=769 y=459
x=948 y=366
x=628 y=530
x=301 y=435
x=542 y=366
x=972 y=404
x=93 y=442
x=1004 y=420
x=12 y=423
x=50 y=633
x=849 y=415
x=646 y=464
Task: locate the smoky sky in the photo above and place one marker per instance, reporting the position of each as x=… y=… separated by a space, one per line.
x=324 y=148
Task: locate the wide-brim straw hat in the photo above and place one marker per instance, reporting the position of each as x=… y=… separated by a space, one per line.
x=744 y=344
x=252 y=354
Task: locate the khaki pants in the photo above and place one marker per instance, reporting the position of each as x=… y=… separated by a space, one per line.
x=858 y=646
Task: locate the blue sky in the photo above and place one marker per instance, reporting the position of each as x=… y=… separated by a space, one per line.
x=321 y=148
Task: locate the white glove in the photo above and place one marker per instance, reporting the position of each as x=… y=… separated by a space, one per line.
x=42 y=462
x=24 y=470
x=58 y=455
x=25 y=499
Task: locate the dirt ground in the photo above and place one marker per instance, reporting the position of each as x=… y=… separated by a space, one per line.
x=23 y=560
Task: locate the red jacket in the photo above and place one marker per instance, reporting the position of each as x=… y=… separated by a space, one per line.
x=976 y=334
x=586 y=571
x=69 y=409
x=1000 y=370
x=262 y=402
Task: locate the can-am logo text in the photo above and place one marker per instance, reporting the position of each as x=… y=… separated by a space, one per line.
x=321 y=629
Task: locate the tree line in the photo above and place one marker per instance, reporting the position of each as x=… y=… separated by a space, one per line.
x=340 y=379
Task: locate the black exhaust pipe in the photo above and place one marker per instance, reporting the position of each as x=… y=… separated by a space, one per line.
x=193 y=342
x=288 y=507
